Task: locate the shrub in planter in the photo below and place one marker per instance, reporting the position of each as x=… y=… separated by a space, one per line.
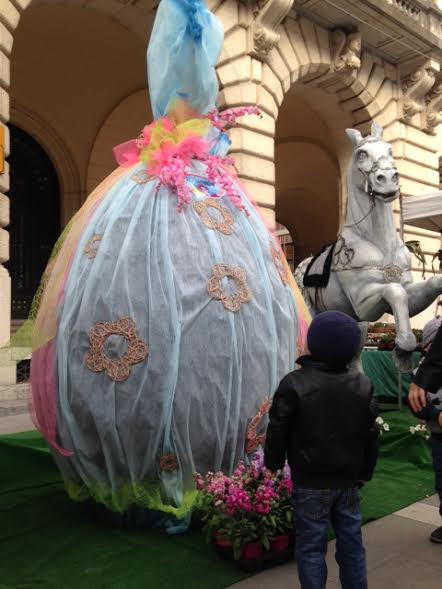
x=387 y=342
x=248 y=511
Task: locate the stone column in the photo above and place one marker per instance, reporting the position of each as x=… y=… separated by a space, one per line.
x=9 y=18
x=7 y=368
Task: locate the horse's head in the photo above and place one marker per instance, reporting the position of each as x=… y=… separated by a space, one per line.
x=374 y=160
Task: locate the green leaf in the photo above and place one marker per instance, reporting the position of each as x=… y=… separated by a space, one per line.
x=237 y=548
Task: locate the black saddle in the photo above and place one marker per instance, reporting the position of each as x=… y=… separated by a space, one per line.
x=318 y=271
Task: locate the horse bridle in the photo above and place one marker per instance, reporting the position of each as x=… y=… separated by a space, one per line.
x=376 y=165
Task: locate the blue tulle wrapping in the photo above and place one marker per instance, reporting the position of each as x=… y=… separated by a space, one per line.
x=209 y=368
x=184 y=47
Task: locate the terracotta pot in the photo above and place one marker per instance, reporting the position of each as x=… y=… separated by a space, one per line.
x=221 y=542
x=279 y=543
x=251 y=551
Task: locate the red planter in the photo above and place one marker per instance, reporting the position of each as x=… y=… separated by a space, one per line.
x=251 y=551
x=279 y=543
x=221 y=542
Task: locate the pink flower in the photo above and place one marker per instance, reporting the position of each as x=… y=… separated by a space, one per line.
x=264 y=497
x=218 y=174
x=239 y=470
x=286 y=472
x=237 y=499
x=229 y=116
x=171 y=161
x=286 y=485
x=199 y=482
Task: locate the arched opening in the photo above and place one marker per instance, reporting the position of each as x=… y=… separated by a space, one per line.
x=35 y=217
x=123 y=123
x=308 y=177
x=287 y=244
x=68 y=72
x=71 y=66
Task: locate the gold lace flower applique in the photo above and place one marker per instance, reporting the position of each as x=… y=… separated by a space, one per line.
x=224 y=225
x=92 y=245
x=117 y=369
x=253 y=440
x=232 y=302
x=168 y=463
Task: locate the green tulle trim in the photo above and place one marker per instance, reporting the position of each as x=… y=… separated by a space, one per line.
x=141 y=494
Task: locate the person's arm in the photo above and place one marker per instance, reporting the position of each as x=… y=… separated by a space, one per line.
x=436 y=419
x=278 y=431
x=429 y=374
x=371 y=443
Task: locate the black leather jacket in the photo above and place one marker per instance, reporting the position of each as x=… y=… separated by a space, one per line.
x=429 y=373
x=323 y=420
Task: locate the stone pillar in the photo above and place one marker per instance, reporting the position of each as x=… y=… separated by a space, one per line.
x=7 y=368
x=9 y=18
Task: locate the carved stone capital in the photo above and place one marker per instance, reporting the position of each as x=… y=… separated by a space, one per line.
x=263 y=34
x=415 y=86
x=346 y=51
x=433 y=108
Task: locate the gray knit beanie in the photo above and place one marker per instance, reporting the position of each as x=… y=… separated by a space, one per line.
x=429 y=331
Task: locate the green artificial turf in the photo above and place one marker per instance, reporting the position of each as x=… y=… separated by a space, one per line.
x=48 y=542
x=404 y=472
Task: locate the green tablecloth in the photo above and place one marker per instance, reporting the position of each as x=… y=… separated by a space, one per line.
x=380 y=369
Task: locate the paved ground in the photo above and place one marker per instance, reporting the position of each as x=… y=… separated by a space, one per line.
x=13 y=409
x=399 y=554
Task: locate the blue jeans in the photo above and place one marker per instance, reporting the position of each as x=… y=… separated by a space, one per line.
x=315 y=510
x=436 y=451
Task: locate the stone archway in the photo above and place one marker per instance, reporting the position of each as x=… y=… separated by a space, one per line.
x=71 y=194
x=134 y=17
x=123 y=122
x=35 y=217
x=284 y=50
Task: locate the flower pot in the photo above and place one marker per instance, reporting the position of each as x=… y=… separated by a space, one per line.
x=251 y=551
x=221 y=542
x=279 y=543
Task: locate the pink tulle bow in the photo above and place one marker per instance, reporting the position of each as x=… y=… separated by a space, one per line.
x=127 y=154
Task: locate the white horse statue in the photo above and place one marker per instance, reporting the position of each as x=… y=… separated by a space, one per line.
x=369 y=267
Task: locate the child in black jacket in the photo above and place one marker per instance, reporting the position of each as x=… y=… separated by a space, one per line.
x=323 y=418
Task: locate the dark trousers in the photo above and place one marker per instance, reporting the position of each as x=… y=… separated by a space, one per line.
x=436 y=451
x=315 y=511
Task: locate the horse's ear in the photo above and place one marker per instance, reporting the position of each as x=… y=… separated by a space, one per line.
x=377 y=131
x=354 y=135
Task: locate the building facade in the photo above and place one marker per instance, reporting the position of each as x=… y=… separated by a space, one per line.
x=73 y=85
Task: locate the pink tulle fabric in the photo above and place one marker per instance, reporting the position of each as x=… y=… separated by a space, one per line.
x=42 y=400
x=127 y=154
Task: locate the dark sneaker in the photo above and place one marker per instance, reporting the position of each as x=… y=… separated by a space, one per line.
x=436 y=536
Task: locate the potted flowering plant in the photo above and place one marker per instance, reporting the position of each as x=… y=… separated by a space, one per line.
x=247 y=512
